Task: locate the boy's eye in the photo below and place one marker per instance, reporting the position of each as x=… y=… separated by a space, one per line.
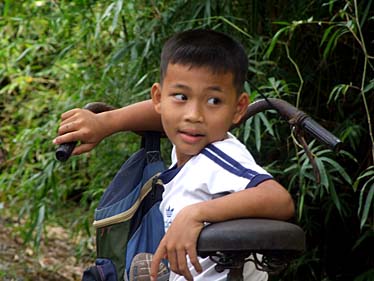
x=214 y=101
x=180 y=96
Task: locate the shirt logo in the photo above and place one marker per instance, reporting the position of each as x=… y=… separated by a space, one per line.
x=169 y=213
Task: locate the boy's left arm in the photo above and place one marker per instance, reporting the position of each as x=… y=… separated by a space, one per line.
x=267 y=200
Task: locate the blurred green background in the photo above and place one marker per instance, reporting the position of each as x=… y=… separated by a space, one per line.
x=317 y=55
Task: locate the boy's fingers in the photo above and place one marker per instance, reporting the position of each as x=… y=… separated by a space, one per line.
x=156 y=260
x=65 y=128
x=192 y=253
x=69 y=137
x=182 y=266
x=83 y=148
x=173 y=260
x=72 y=137
x=69 y=113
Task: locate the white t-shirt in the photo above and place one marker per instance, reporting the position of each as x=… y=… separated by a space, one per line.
x=224 y=166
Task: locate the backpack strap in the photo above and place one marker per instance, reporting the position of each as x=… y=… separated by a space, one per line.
x=151 y=140
x=151 y=144
x=129 y=213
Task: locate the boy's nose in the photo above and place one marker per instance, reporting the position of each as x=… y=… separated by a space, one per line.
x=194 y=113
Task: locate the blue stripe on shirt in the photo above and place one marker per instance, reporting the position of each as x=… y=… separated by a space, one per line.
x=233 y=166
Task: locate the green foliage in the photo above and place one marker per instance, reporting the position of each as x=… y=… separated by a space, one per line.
x=366 y=201
x=51 y=63
x=317 y=55
x=345 y=189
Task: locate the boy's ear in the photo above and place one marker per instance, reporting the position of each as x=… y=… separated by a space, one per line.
x=156 y=96
x=241 y=107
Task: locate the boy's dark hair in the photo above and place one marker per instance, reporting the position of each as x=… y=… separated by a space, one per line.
x=209 y=48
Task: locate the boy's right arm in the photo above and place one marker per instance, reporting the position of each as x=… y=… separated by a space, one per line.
x=89 y=128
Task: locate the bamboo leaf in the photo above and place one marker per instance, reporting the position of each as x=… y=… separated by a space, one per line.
x=247 y=129
x=322 y=170
x=333 y=41
x=267 y=124
x=337 y=91
x=338 y=168
x=363 y=189
x=366 y=12
x=118 y=9
x=368 y=172
x=369 y=86
x=108 y=11
x=369 y=203
x=301 y=204
x=257 y=132
x=39 y=224
x=274 y=40
x=326 y=34
x=6 y=8
x=335 y=198
x=207 y=12
x=24 y=53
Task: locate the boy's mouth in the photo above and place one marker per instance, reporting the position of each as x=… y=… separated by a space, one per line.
x=191 y=133
x=191 y=137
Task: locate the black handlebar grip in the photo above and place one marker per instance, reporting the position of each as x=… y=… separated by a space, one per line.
x=64 y=151
x=320 y=133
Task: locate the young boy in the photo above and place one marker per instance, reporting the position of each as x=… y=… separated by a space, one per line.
x=199 y=97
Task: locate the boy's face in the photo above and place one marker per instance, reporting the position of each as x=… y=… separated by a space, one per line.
x=197 y=107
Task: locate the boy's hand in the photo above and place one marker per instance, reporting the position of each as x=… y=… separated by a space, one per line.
x=80 y=125
x=180 y=240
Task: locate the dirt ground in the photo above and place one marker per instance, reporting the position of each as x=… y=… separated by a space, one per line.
x=55 y=260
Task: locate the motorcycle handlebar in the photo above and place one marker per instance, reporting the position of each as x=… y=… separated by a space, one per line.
x=320 y=133
x=293 y=116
